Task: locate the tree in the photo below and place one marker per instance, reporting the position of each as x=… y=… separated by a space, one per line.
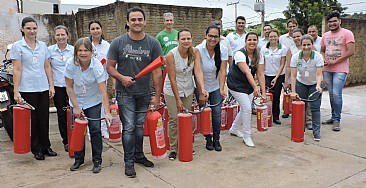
x=311 y=12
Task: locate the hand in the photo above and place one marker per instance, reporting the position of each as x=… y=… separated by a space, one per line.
x=223 y=93
x=319 y=89
x=203 y=97
x=293 y=95
x=156 y=102
x=273 y=82
x=17 y=97
x=127 y=81
x=108 y=118
x=179 y=104
x=51 y=92
x=257 y=92
x=78 y=112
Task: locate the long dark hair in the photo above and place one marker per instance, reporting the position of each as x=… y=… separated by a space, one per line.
x=216 y=49
x=191 y=53
x=101 y=27
x=26 y=20
x=256 y=53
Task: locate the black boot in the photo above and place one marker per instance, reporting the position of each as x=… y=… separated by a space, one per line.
x=209 y=144
x=217 y=145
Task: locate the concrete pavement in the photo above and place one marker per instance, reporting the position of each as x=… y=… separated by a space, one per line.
x=338 y=160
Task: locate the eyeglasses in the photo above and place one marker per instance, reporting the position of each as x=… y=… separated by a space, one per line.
x=213 y=36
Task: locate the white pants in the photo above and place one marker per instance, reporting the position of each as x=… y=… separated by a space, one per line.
x=243 y=118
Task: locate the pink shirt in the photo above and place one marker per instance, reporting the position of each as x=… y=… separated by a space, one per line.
x=335 y=46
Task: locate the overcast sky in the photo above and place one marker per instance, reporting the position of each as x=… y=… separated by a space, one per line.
x=273 y=8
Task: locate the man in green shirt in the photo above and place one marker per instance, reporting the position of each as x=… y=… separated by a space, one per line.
x=168 y=37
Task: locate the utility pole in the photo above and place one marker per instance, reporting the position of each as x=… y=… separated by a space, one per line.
x=262 y=18
x=259 y=7
x=234 y=3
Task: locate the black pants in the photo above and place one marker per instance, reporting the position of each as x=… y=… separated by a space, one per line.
x=40 y=140
x=61 y=100
x=276 y=94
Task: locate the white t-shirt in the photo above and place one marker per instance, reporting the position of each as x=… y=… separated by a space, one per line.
x=306 y=70
x=236 y=41
x=272 y=59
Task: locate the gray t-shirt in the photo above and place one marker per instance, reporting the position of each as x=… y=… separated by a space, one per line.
x=132 y=56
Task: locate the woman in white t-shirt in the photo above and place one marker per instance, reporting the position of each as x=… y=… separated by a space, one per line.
x=306 y=77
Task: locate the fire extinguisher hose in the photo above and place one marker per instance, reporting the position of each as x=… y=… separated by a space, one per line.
x=23 y=104
x=259 y=101
x=310 y=97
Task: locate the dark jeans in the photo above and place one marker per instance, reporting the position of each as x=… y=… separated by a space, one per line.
x=304 y=91
x=276 y=94
x=95 y=135
x=61 y=100
x=133 y=124
x=214 y=98
x=40 y=140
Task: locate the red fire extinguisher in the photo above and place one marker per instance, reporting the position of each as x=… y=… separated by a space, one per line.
x=223 y=117
x=262 y=113
x=156 y=134
x=196 y=119
x=185 y=142
x=230 y=116
x=69 y=130
x=22 y=127
x=287 y=101
x=298 y=120
x=206 y=121
x=115 y=127
x=269 y=107
x=78 y=134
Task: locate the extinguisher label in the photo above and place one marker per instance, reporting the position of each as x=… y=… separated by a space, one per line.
x=159 y=134
x=223 y=118
x=269 y=108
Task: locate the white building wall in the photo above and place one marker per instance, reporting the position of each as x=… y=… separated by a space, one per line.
x=37 y=7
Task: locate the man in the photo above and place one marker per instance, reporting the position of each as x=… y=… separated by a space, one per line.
x=313 y=31
x=286 y=39
x=263 y=41
x=132 y=52
x=168 y=36
x=337 y=46
x=237 y=38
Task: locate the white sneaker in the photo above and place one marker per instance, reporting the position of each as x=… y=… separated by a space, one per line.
x=248 y=141
x=236 y=133
x=105 y=134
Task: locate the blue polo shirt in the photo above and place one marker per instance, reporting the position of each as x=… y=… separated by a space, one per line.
x=34 y=78
x=209 y=68
x=58 y=60
x=86 y=82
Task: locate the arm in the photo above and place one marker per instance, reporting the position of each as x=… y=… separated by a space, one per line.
x=319 y=79
x=173 y=82
x=245 y=69
x=111 y=69
x=282 y=65
x=349 y=52
x=222 y=78
x=199 y=77
x=261 y=79
x=48 y=69
x=17 y=74
x=71 y=93
x=322 y=51
x=105 y=100
x=287 y=66
x=293 y=82
x=157 y=81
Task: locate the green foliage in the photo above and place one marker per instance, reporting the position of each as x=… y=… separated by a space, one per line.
x=227 y=31
x=311 y=12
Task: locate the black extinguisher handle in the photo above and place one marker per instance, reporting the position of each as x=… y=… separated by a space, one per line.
x=213 y=105
x=23 y=104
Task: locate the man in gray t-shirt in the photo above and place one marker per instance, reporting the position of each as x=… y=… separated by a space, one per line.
x=132 y=52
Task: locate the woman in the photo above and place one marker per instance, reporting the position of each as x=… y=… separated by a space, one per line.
x=294 y=48
x=306 y=76
x=240 y=80
x=178 y=85
x=86 y=87
x=33 y=81
x=100 y=47
x=59 y=54
x=214 y=58
x=274 y=62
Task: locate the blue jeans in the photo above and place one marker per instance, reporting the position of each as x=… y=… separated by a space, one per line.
x=335 y=83
x=304 y=91
x=133 y=124
x=95 y=135
x=214 y=98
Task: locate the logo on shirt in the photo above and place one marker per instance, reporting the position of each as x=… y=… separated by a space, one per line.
x=135 y=54
x=166 y=39
x=299 y=64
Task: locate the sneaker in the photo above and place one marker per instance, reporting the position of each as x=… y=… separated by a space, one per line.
x=217 y=145
x=317 y=137
x=97 y=167
x=172 y=156
x=336 y=126
x=130 y=171
x=144 y=161
x=309 y=126
x=328 y=122
x=236 y=133
x=248 y=141
x=76 y=165
x=285 y=115
x=254 y=111
x=209 y=144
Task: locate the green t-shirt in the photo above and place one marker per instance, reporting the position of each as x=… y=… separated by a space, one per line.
x=167 y=40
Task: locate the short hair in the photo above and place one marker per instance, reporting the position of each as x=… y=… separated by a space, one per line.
x=267 y=25
x=299 y=30
x=333 y=14
x=82 y=41
x=307 y=37
x=314 y=26
x=135 y=9
x=61 y=27
x=240 y=18
x=292 y=20
x=168 y=14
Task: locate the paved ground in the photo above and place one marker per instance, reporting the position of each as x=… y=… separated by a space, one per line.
x=338 y=160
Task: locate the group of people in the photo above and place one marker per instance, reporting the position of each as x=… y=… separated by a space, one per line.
x=77 y=76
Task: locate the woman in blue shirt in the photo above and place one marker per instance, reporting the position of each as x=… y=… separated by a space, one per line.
x=33 y=81
x=59 y=54
x=86 y=87
x=214 y=59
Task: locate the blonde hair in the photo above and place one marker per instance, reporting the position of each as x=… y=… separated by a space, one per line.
x=82 y=41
